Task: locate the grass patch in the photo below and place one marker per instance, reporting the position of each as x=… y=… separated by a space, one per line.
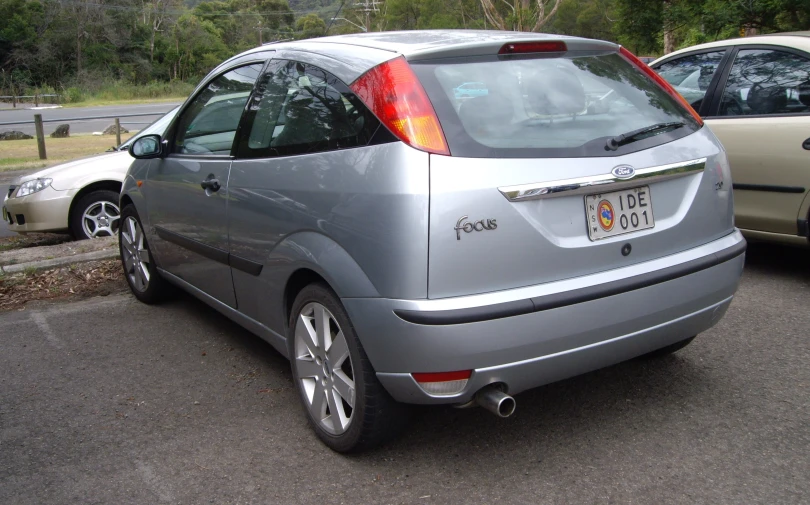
x=95 y=102
x=23 y=154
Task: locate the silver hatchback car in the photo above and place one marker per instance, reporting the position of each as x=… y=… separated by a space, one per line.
x=403 y=243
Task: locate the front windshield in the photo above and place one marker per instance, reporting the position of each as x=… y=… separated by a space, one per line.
x=156 y=128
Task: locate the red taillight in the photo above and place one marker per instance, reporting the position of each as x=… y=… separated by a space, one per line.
x=442 y=376
x=652 y=74
x=534 y=47
x=443 y=383
x=394 y=94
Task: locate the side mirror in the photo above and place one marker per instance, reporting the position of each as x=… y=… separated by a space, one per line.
x=146 y=147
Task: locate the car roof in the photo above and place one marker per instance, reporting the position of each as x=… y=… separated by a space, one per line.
x=797 y=40
x=420 y=44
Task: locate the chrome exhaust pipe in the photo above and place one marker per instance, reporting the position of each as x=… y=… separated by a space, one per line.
x=495 y=401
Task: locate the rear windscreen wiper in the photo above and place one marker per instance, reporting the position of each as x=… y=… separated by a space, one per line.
x=632 y=136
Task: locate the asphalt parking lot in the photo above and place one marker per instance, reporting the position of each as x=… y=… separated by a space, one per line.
x=110 y=401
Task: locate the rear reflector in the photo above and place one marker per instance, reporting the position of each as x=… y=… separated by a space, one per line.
x=443 y=383
x=397 y=98
x=534 y=47
x=652 y=74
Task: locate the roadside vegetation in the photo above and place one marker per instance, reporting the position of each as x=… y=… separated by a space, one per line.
x=100 y=51
x=23 y=154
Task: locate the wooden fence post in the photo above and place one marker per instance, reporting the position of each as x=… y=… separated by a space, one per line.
x=117 y=132
x=36 y=99
x=13 y=99
x=40 y=136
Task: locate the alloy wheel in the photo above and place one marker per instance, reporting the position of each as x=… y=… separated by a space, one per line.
x=100 y=219
x=135 y=254
x=324 y=367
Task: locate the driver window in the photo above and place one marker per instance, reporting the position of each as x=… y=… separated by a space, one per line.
x=209 y=124
x=691 y=75
x=763 y=81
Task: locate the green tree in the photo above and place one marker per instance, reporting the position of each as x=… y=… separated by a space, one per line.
x=310 y=26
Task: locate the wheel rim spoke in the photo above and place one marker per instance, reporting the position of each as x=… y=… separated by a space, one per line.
x=337 y=417
x=306 y=333
x=321 y=323
x=338 y=351
x=319 y=402
x=307 y=368
x=344 y=387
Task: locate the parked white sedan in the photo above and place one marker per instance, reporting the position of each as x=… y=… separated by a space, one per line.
x=80 y=196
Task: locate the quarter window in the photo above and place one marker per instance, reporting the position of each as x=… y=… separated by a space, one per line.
x=298 y=108
x=209 y=124
x=692 y=75
x=764 y=81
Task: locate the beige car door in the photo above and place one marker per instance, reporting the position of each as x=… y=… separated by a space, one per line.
x=763 y=121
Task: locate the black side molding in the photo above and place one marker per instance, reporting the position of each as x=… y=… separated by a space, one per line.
x=245 y=265
x=767 y=187
x=537 y=304
x=210 y=252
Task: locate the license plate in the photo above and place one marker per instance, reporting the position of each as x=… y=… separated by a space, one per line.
x=619 y=212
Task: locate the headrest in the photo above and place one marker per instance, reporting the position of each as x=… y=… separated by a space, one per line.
x=804 y=93
x=485 y=111
x=764 y=99
x=555 y=91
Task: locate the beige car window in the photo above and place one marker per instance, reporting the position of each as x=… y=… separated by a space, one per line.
x=208 y=125
x=767 y=82
x=691 y=75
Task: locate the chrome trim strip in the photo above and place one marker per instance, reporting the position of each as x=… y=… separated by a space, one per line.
x=609 y=182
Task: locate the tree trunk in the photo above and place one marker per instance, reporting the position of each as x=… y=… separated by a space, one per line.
x=669 y=41
x=669 y=37
x=79 y=53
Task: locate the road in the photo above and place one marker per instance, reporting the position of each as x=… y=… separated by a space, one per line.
x=112 y=401
x=84 y=126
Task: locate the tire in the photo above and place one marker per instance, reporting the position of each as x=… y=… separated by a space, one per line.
x=373 y=417
x=95 y=214
x=140 y=270
x=666 y=351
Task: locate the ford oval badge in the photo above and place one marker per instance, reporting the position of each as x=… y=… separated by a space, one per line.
x=623 y=172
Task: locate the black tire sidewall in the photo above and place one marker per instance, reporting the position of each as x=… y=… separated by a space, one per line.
x=350 y=439
x=75 y=218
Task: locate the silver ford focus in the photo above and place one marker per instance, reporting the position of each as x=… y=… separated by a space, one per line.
x=437 y=217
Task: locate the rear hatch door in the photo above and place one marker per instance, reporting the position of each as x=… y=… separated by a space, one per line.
x=563 y=164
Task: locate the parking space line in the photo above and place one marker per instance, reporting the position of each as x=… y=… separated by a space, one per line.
x=45 y=328
x=153 y=481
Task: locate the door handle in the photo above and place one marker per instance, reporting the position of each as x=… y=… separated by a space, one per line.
x=210 y=183
x=806 y=144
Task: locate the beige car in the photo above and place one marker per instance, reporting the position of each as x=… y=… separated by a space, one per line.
x=754 y=93
x=80 y=196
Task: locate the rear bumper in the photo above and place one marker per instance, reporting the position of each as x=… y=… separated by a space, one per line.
x=532 y=336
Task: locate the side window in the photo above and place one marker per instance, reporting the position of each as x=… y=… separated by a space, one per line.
x=691 y=75
x=209 y=124
x=298 y=108
x=764 y=81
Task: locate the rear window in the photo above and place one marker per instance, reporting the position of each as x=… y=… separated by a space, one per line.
x=547 y=107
